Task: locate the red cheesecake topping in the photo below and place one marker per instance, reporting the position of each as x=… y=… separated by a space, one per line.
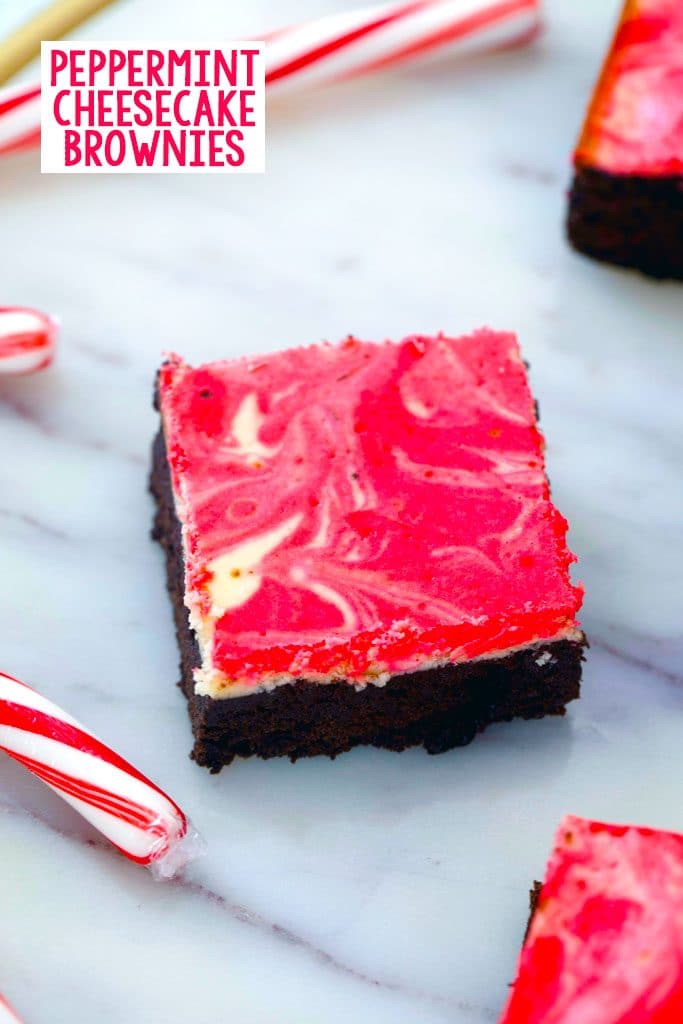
x=606 y=942
x=358 y=510
x=635 y=122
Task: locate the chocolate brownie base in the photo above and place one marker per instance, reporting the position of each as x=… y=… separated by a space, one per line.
x=438 y=708
x=534 y=896
x=631 y=221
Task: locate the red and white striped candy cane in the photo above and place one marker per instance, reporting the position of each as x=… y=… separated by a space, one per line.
x=19 y=118
x=134 y=814
x=353 y=43
x=343 y=45
x=7 y=1014
x=27 y=340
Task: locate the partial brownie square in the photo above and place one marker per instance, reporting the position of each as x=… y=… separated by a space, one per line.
x=626 y=201
x=361 y=547
x=605 y=939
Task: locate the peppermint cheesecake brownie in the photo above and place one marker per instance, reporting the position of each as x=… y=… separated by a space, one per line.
x=361 y=547
x=626 y=202
x=605 y=941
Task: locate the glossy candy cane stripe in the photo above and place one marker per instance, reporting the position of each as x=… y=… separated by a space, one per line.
x=356 y=42
x=7 y=1014
x=27 y=340
x=133 y=813
x=342 y=45
x=19 y=117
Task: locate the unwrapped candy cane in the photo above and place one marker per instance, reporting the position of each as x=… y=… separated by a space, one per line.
x=7 y=1014
x=343 y=45
x=19 y=118
x=27 y=340
x=353 y=43
x=133 y=813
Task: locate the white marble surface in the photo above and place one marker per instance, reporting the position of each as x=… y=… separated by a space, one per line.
x=380 y=887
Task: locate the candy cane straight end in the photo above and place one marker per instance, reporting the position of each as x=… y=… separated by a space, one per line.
x=27 y=340
x=178 y=855
x=7 y=1014
x=526 y=35
x=125 y=806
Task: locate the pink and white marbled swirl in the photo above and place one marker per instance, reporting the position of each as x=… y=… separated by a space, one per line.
x=359 y=510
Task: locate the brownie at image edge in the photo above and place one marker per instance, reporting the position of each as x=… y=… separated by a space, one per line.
x=628 y=220
x=437 y=708
x=534 y=897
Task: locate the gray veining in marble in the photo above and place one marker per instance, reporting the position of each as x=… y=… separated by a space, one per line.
x=380 y=887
